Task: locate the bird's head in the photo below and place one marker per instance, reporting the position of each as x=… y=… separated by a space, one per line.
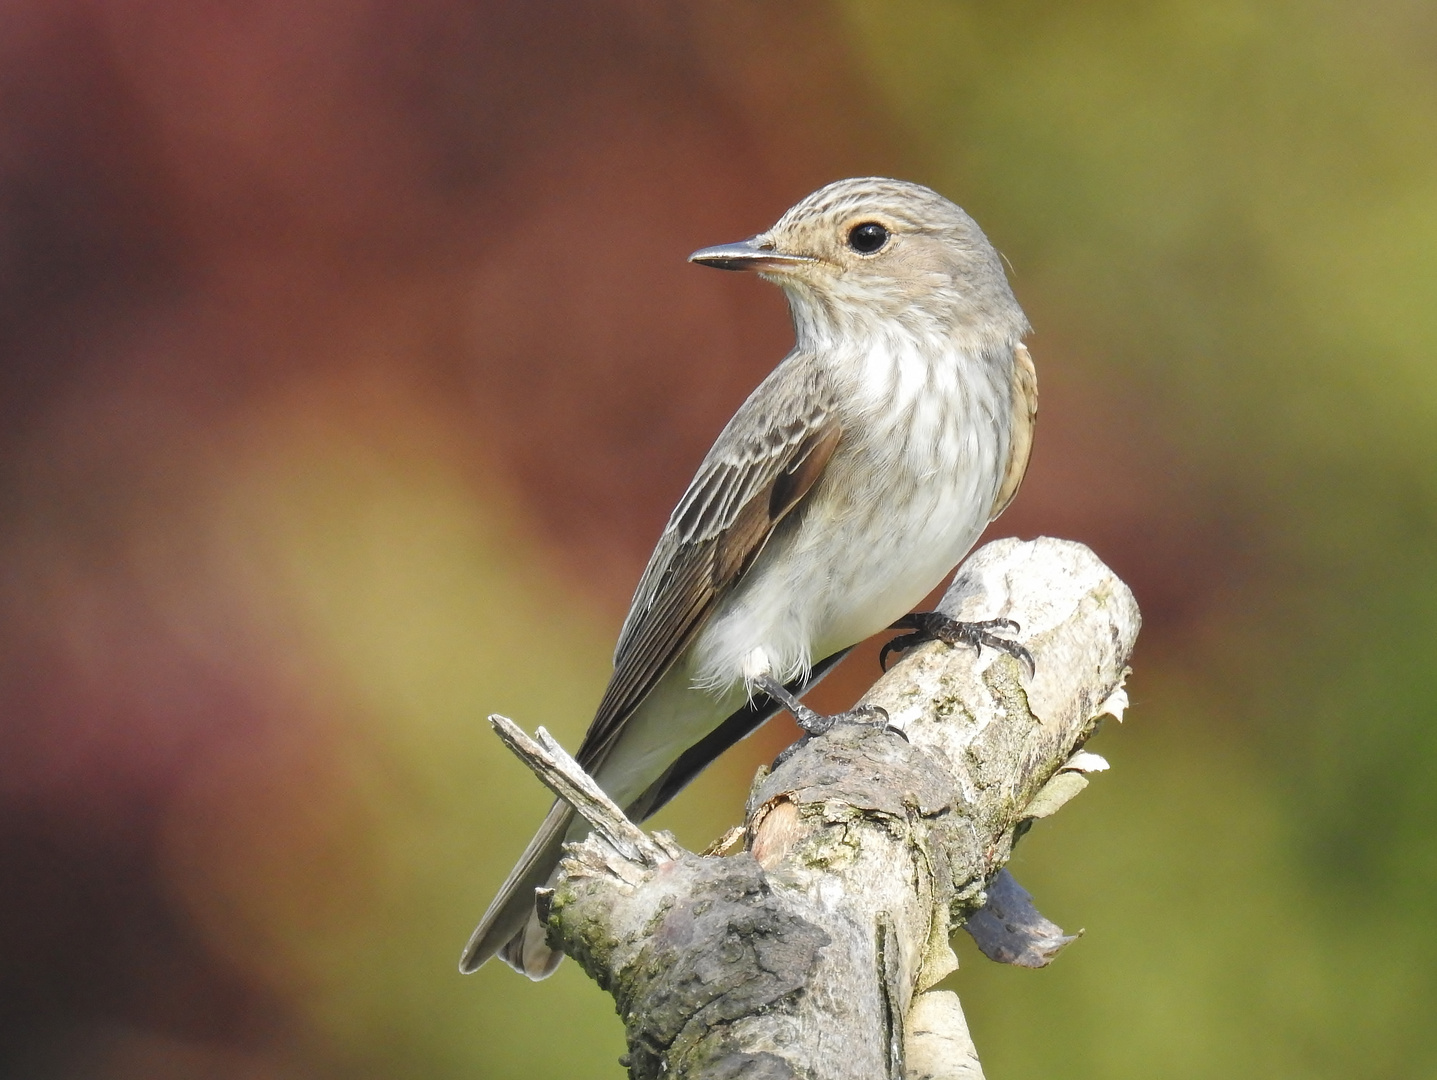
x=872 y=255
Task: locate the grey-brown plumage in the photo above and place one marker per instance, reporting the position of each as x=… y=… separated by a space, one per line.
x=852 y=480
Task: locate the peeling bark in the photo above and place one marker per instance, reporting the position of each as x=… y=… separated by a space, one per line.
x=812 y=953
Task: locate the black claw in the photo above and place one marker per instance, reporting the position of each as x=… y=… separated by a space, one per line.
x=814 y=724
x=1017 y=652
x=868 y=715
x=873 y=716
x=902 y=643
x=935 y=626
x=786 y=753
x=876 y=715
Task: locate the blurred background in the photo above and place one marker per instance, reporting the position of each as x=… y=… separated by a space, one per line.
x=350 y=365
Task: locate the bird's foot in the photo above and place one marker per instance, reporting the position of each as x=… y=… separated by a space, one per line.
x=935 y=626
x=815 y=723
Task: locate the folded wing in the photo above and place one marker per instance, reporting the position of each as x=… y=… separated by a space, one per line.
x=763 y=464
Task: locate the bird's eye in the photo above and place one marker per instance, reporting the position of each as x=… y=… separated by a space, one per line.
x=867 y=238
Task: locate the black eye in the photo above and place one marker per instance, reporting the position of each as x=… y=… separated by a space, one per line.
x=867 y=238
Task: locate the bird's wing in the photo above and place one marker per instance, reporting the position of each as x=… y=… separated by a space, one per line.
x=763 y=464
x=1020 y=432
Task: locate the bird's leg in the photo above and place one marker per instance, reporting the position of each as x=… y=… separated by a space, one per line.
x=935 y=626
x=816 y=723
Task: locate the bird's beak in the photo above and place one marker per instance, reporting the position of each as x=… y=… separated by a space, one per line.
x=755 y=253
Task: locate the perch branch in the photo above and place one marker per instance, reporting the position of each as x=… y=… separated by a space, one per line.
x=814 y=951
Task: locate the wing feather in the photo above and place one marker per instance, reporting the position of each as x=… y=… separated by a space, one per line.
x=1020 y=432
x=763 y=464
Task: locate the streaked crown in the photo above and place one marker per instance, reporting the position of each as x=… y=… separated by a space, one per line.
x=867 y=251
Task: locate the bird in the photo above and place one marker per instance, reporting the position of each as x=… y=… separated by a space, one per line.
x=850 y=483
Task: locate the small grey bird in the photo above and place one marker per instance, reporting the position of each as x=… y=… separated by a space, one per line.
x=844 y=489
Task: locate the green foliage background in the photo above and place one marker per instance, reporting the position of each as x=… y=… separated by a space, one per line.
x=1222 y=220
x=1229 y=209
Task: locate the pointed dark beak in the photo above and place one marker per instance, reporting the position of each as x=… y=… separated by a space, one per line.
x=750 y=254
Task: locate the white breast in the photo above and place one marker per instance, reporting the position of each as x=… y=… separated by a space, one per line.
x=905 y=496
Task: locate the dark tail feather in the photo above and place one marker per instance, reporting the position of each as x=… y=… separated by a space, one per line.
x=510 y=929
x=740 y=725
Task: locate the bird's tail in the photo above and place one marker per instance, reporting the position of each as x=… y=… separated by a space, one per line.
x=510 y=928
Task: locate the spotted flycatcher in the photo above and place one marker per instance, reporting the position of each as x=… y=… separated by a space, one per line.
x=844 y=489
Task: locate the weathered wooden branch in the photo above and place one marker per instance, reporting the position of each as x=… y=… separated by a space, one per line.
x=812 y=953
